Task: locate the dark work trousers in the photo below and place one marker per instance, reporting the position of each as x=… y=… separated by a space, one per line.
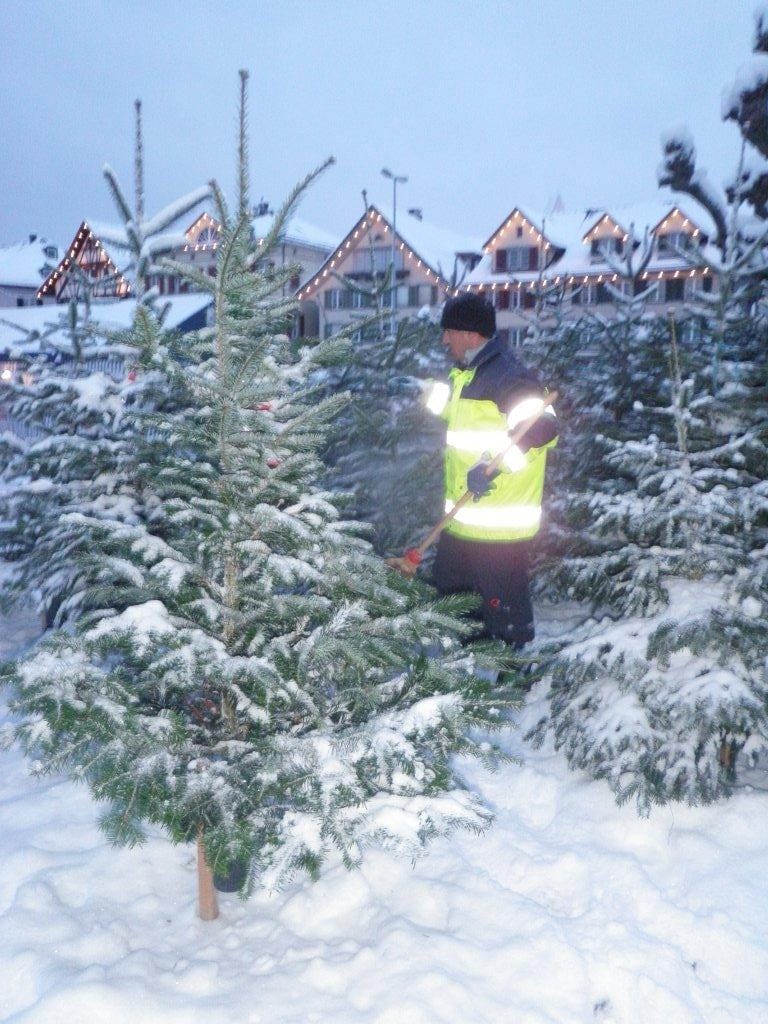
x=498 y=572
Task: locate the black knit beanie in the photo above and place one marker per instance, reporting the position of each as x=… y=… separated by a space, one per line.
x=469 y=312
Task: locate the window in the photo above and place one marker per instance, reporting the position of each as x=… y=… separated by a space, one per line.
x=19 y=302
x=382 y=257
x=413 y=295
x=529 y=300
x=671 y=243
x=516 y=336
x=589 y=294
x=674 y=290
x=519 y=231
x=706 y=283
x=518 y=257
x=502 y=300
x=51 y=252
x=207 y=236
x=602 y=247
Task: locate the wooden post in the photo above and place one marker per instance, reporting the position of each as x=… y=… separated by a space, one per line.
x=207 y=902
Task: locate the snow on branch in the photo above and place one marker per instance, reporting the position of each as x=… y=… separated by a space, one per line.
x=678 y=171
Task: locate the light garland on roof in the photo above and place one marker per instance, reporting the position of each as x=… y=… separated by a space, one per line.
x=368 y=221
x=82 y=238
x=579 y=280
x=517 y=219
x=592 y=234
x=203 y=222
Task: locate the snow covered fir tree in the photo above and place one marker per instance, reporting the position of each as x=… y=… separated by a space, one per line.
x=71 y=447
x=667 y=695
x=239 y=667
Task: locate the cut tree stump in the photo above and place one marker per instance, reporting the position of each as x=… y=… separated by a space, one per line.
x=207 y=901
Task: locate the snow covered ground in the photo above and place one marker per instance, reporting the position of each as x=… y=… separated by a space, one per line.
x=568 y=911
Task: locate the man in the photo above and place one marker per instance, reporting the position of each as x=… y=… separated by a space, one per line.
x=486 y=548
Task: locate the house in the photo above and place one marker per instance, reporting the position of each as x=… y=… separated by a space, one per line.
x=300 y=244
x=583 y=259
x=429 y=263
x=85 y=264
x=23 y=268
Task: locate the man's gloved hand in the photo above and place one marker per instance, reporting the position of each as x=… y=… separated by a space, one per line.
x=477 y=482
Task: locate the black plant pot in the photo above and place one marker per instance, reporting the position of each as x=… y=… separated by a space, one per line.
x=233 y=879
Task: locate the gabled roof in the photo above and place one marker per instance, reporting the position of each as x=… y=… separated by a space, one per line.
x=535 y=229
x=26 y=264
x=84 y=237
x=602 y=218
x=203 y=220
x=433 y=247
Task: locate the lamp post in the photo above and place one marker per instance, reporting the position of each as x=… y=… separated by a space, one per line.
x=396 y=179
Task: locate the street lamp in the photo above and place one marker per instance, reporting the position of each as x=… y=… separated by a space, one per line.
x=396 y=179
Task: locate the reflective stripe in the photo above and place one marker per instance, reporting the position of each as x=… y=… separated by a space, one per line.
x=500 y=516
x=438 y=396
x=525 y=409
x=493 y=441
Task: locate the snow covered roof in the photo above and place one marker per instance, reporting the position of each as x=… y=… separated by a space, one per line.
x=21 y=328
x=437 y=246
x=27 y=264
x=434 y=246
x=568 y=231
x=296 y=231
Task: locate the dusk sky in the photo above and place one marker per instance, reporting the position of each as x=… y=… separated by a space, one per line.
x=484 y=105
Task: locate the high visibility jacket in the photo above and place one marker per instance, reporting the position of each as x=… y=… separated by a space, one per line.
x=478 y=401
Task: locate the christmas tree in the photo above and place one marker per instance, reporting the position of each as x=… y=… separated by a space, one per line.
x=662 y=700
x=71 y=447
x=246 y=672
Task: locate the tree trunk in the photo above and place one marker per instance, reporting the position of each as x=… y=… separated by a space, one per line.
x=207 y=902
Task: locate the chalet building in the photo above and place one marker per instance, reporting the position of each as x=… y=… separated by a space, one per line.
x=86 y=265
x=429 y=263
x=583 y=259
x=23 y=268
x=300 y=244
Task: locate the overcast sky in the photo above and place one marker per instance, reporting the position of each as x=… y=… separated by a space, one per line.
x=484 y=104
